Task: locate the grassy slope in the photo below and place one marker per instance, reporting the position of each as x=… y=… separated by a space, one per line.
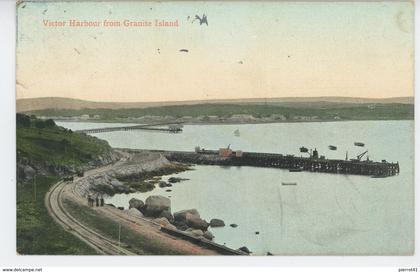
x=58 y=146
x=326 y=111
x=37 y=233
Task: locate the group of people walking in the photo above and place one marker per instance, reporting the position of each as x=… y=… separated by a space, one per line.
x=99 y=201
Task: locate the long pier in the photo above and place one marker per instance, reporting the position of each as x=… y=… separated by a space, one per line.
x=293 y=163
x=151 y=127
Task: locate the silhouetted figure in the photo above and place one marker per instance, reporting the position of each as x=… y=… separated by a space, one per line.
x=97 y=201
x=102 y=201
x=90 y=201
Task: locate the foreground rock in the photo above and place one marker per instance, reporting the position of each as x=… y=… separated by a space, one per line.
x=190 y=218
x=196 y=222
x=155 y=205
x=208 y=235
x=136 y=203
x=245 y=249
x=166 y=214
x=135 y=212
x=181 y=216
x=214 y=223
x=197 y=232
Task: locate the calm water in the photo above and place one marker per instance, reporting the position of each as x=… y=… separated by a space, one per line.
x=323 y=214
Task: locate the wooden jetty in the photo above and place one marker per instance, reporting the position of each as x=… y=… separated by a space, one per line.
x=272 y=160
x=172 y=128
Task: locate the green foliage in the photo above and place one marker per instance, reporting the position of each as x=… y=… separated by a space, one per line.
x=37 y=232
x=325 y=111
x=43 y=141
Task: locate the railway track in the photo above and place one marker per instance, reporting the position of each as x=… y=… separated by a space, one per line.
x=100 y=243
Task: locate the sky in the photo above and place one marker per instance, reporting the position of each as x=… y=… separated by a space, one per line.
x=247 y=50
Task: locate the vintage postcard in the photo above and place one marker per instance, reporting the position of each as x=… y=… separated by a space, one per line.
x=215 y=128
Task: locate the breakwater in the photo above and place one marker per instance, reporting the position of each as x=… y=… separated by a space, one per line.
x=291 y=162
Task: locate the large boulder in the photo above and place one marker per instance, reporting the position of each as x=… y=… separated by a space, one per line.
x=181 y=216
x=156 y=204
x=136 y=203
x=217 y=223
x=208 y=235
x=134 y=212
x=167 y=214
x=197 y=233
x=196 y=222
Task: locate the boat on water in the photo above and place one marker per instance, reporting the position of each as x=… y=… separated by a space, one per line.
x=359 y=144
x=288 y=183
x=303 y=149
x=332 y=147
x=237 y=133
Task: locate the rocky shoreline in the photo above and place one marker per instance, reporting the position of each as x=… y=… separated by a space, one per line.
x=129 y=175
x=26 y=169
x=135 y=172
x=158 y=209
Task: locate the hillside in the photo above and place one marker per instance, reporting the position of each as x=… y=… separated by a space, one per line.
x=33 y=104
x=40 y=142
x=238 y=113
x=46 y=153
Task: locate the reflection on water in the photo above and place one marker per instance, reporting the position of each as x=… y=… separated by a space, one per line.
x=322 y=214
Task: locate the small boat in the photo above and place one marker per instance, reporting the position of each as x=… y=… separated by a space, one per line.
x=332 y=147
x=297 y=169
x=303 y=149
x=359 y=144
x=237 y=133
x=288 y=183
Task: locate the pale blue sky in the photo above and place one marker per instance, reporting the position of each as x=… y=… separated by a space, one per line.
x=286 y=49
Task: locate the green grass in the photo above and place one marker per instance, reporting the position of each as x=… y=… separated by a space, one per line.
x=58 y=146
x=325 y=111
x=130 y=239
x=42 y=145
x=37 y=232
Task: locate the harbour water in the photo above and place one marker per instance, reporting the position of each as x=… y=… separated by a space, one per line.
x=323 y=214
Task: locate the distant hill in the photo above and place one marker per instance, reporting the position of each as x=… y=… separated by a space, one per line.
x=33 y=104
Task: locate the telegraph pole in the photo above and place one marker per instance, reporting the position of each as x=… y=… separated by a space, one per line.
x=119 y=234
x=35 y=187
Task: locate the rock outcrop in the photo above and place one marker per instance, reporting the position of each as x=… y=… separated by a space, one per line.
x=214 y=223
x=208 y=235
x=196 y=222
x=155 y=205
x=136 y=203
